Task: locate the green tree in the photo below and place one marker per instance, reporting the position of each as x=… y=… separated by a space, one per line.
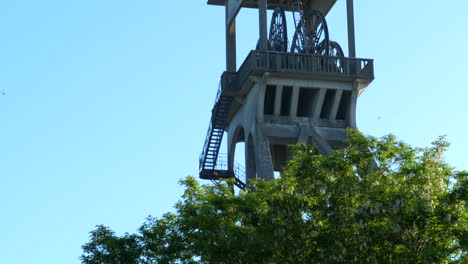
x=374 y=201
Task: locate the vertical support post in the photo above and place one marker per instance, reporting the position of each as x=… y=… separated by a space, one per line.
x=318 y=103
x=336 y=104
x=351 y=35
x=353 y=105
x=250 y=164
x=262 y=14
x=231 y=148
x=230 y=42
x=294 y=101
x=278 y=99
x=263 y=160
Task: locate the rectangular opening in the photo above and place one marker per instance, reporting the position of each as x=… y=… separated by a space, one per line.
x=286 y=97
x=305 y=105
x=343 y=108
x=269 y=103
x=327 y=103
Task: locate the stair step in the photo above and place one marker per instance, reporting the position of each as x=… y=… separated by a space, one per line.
x=219 y=120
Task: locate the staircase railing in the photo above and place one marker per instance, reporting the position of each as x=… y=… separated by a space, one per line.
x=202 y=157
x=238 y=170
x=211 y=166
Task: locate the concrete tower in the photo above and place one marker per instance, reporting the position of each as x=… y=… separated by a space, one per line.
x=285 y=92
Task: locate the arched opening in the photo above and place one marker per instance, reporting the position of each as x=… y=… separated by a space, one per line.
x=237 y=151
x=237 y=154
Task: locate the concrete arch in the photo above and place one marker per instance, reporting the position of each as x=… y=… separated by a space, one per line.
x=239 y=135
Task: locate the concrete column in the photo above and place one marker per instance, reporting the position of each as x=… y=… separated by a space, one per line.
x=303 y=133
x=230 y=43
x=294 y=101
x=353 y=105
x=278 y=95
x=263 y=160
x=336 y=104
x=318 y=103
x=260 y=90
x=262 y=9
x=231 y=151
x=250 y=168
x=351 y=35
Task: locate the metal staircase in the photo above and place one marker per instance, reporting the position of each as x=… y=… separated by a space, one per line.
x=209 y=169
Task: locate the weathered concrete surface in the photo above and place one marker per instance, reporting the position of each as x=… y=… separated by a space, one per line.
x=319 y=113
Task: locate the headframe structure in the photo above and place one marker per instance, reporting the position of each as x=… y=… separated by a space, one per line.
x=283 y=93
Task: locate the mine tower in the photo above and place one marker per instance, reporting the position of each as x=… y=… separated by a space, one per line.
x=285 y=92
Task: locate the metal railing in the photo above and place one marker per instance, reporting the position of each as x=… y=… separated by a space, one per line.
x=202 y=157
x=268 y=61
x=222 y=165
x=306 y=63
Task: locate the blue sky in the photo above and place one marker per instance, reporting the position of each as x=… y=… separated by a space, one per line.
x=105 y=104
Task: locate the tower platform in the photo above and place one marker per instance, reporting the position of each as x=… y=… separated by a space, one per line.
x=285 y=92
x=323 y=6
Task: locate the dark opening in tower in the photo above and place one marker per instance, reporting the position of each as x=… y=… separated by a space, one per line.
x=306 y=102
x=343 y=109
x=286 y=97
x=327 y=103
x=269 y=103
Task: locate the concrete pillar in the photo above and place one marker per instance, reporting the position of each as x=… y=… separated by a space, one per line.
x=250 y=164
x=353 y=105
x=263 y=160
x=261 y=100
x=336 y=104
x=309 y=133
x=303 y=133
x=278 y=95
x=231 y=148
x=351 y=35
x=230 y=43
x=262 y=9
x=318 y=103
x=294 y=101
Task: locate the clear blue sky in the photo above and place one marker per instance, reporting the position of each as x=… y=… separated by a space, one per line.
x=106 y=104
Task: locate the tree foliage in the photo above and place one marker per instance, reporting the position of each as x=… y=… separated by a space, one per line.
x=374 y=201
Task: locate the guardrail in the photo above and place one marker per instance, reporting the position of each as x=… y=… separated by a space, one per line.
x=202 y=157
x=269 y=61
x=238 y=169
